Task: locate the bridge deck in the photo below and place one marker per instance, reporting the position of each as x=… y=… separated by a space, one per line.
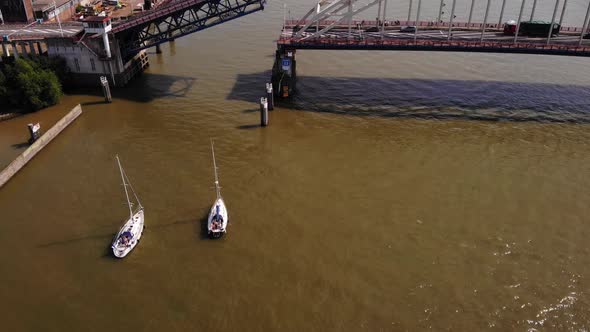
x=21 y=32
x=429 y=37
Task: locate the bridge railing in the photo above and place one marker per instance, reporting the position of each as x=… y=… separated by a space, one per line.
x=160 y=12
x=328 y=42
x=428 y=24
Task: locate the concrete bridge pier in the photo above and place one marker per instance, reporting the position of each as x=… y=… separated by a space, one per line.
x=15 y=50
x=32 y=48
x=5 y=51
x=284 y=73
x=23 y=48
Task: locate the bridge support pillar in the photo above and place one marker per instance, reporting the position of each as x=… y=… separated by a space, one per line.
x=158 y=49
x=32 y=48
x=5 y=51
x=23 y=48
x=15 y=50
x=39 y=48
x=284 y=73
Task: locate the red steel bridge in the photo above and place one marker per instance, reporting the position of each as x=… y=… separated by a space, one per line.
x=331 y=25
x=177 y=18
x=169 y=20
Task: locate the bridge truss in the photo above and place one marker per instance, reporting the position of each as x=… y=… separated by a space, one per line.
x=331 y=24
x=178 y=18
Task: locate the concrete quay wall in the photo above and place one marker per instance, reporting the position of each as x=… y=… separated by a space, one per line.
x=32 y=150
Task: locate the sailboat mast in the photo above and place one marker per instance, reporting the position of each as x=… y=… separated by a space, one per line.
x=217 y=189
x=132 y=190
x=125 y=186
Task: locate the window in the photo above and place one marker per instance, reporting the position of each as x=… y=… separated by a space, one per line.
x=77 y=64
x=92 y=65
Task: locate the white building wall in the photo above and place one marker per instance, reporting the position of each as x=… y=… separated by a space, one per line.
x=80 y=59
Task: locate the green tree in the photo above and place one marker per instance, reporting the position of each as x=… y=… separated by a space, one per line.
x=29 y=85
x=34 y=87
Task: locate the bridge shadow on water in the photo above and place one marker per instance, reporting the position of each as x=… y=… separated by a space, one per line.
x=146 y=88
x=429 y=98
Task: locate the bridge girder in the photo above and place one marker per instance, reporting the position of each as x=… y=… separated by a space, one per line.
x=180 y=21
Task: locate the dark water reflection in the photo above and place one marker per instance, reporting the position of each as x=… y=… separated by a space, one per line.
x=431 y=98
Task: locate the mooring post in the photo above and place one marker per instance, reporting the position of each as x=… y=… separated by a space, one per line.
x=263 y=112
x=106 y=89
x=34 y=132
x=270 y=97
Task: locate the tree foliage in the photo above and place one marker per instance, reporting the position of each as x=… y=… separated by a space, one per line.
x=29 y=85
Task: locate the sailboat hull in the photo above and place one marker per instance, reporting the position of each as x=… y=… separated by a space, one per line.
x=129 y=235
x=216 y=228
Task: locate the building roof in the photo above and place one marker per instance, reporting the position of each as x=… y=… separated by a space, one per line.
x=45 y=5
x=96 y=19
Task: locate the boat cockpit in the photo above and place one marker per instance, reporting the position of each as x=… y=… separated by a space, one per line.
x=217 y=223
x=125 y=238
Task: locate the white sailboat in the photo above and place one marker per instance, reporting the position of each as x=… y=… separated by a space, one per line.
x=218 y=217
x=128 y=236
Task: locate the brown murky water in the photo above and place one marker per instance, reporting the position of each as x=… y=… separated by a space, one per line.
x=398 y=191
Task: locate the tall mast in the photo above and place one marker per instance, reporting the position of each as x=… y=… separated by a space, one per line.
x=132 y=190
x=124 y=186
x=217 y=188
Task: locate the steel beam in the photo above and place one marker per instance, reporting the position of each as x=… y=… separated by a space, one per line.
x=451 y=20
x=346 y=16
x=562 y=12
x=178 y=19
x=417 y=20
x=518 y=22
x=533 y=10
x=552 y=21
x=585 y=26
x=485 y=21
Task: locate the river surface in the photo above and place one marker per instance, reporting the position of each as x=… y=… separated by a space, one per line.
x=398 y=191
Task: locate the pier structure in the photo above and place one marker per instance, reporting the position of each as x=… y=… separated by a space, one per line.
x=97 y=46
